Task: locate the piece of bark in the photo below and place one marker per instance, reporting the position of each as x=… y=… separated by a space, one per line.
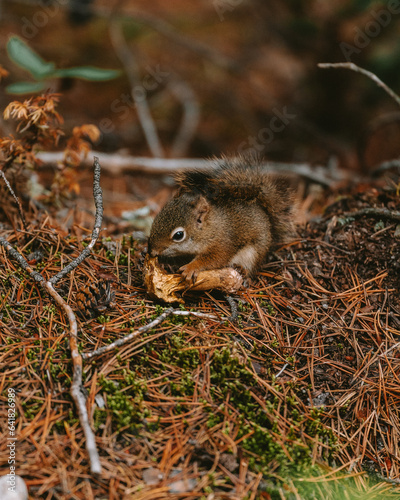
x=169 y=287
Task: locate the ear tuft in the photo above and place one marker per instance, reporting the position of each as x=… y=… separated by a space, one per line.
x=201 y=210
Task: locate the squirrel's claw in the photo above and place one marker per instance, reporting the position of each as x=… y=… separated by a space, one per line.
x=244 y=273
x=189 y=274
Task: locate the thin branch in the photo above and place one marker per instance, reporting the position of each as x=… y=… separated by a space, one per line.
x=282 y=370
x=386 y=165
x=16 y=199
x=234 y=308
x=365 y=72
x=132 y=71
x=388 y=479
x=384 y=354
x=179 y=312
x=76 y=386
x=116 y=164
x=98 y=201
x=191 y=115
x=118 y=343
x=143 y=329
x=21 y=261
x=377 y=213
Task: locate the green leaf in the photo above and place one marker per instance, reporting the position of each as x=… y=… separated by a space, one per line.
x=20 y=53
x=88 y=73
x=25 y=87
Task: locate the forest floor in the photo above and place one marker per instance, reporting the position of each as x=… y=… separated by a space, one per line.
x=297 y=398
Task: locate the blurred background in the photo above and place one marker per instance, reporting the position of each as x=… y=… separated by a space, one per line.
x=218 y=77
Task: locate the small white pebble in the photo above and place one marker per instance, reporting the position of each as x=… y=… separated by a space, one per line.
x=13 y=488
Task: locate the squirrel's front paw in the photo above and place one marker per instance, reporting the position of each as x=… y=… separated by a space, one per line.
x=244 y=273
x=189 y=273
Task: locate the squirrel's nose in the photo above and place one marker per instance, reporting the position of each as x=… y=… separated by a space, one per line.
x=152 y=252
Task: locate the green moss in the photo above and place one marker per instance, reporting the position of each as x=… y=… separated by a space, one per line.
x=157 y=312
x=271 y=310
x=124 y=401
x=123 y=260
x=103 y=319
x=275 y=343
x=230 y=379
x=110 y=255
x=30 y=409
x=234 y=381
x=60 y=371
x=243 y=307
x=32 y=354
x=51 y=308
x=184 y=387
x=179 y=354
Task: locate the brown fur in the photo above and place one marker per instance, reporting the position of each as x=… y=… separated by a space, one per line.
x=231 y=215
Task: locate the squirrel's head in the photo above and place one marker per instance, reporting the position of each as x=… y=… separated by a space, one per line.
x=176 y=230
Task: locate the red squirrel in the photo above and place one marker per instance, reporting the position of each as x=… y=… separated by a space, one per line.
x=225 y=216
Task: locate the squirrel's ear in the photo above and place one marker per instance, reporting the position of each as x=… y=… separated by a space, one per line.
x=201 y=210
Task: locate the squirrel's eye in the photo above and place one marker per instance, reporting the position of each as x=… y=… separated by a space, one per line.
x=178 y=234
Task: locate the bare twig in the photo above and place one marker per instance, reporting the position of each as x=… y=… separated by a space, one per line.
x=386 y=165
x=115 y=164
x=128 y=338
x=379 y=213
x=196 y=314
x=395 y=346
x=16 y=199
x=369 y=74
x=143 y=329
x=191 y=114
x=76 y=386
x=132 y=71
x=282 y=370
x=21 y=261
x=98 y=201
x=234 y=308
x=388 y=479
